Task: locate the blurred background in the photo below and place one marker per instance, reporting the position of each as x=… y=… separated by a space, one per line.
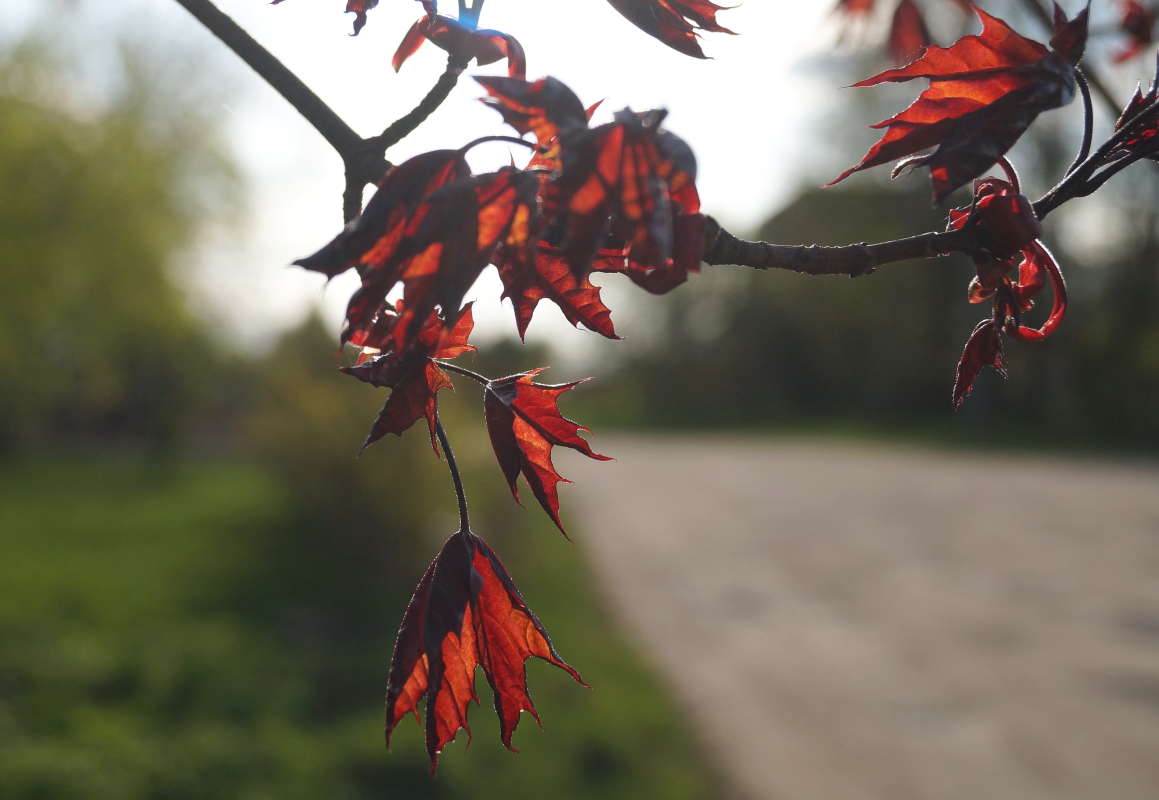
x=857 y=593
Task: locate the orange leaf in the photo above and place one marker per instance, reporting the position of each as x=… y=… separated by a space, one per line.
x=465 y=613
x=984 y=92
x=413 y=378
x=545 y=276
x=524 y=423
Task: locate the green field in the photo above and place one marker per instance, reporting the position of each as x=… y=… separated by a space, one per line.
x=177 y=631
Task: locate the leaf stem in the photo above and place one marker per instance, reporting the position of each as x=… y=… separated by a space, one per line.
x=406 y=124
x=1088 y=121
x=475 y=376
x=1082 y=180
x=456 y=479
x=508 y=139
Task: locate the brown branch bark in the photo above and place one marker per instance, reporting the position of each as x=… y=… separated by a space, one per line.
x=853 y=260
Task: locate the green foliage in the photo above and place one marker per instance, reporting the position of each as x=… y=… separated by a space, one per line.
x=95 y=335
x=188 y=636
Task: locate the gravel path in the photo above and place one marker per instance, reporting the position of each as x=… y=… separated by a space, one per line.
x=867 y=621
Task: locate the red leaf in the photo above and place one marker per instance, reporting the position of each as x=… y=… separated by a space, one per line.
x=984 y=92
x=465 y=613
x=908 y=34
x=546 y=276
x=456 y=238
x=372 y=239
x=413 y=378
x=673 y=22
x=688 y=246
x=485 y=46
x=524 y=423
x=983 y=349
x=1142 y=138
x=621 y=178
x=546 y=107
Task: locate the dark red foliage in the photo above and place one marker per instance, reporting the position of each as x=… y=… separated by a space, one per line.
x=546 y=108
x=674 y=22
x=465 y=613
x=984 y=92
x=545 y=276
x=453 y=237
x=983 y=349
x=620 y=179
x=908 y=34
x=524 y=423
x=1140 y=124
x=463 y=42
x=371 y=241
x=1007 y=231
x=414 y=380
x=1137 y=21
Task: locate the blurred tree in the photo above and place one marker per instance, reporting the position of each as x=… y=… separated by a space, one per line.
x=96 y=339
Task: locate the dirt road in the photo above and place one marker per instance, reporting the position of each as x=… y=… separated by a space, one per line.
x=869 y=621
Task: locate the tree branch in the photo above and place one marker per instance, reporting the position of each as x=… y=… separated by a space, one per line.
x=340 y=135
x=722 y=247
x=405 y=125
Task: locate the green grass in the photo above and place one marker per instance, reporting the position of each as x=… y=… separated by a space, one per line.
x=174 y=633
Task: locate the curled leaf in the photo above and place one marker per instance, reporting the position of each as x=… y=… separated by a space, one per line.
x=462 y=42
x=983 y=349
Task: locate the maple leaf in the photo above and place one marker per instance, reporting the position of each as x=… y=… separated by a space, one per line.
x=414 y=380
x=908 y=34
x=462 y=42
x=524 y=423
x=674 y=22
x=546 y=108
x=465 y=613
x=546 y=276
x=984 y=92
x=455 y=237
x=620 y=179
x=372 y=239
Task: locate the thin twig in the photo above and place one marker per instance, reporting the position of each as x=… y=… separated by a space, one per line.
x=406 y=124
x=460 y=494
x=1088 y=121
x=722 y=247
x=475 y=376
